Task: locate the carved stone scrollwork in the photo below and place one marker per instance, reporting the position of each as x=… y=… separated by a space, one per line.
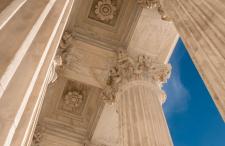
x=154 y=4
x=38 y=134
x=64 y=46
x=53 y=74
x=164 y=16
x=66 y=40
x=60 y=57
x=128 y=69
x=148 y=3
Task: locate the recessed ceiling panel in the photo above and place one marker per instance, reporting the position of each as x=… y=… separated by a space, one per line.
x=105 y=11
x=105 y=23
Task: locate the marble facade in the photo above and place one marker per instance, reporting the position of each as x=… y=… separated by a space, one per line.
x=90 y=72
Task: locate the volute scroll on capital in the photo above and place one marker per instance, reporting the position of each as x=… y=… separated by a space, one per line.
x=148 y=3
x=65 y=46
x=127 y=69
x=61 y=56
x=38 y=135
x=154 y=4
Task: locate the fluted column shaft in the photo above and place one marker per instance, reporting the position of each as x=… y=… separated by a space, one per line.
x=142 y=122
x=29 y=38
x=200 y=24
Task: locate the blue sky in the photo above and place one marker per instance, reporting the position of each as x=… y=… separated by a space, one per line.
x=192 y=117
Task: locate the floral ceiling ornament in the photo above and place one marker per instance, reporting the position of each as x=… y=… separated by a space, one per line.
x=105 y=10
x=128 y=69
x=73 y=100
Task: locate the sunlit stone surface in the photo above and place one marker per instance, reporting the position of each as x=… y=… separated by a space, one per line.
x=90 y=72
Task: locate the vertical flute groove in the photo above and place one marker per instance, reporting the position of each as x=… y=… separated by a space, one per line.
x=146 y=125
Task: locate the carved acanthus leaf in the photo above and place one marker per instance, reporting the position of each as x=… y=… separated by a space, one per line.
x=66 y=40
x=38 y=134
x=53 y=74
x=154 y=4
x=149 y=3
x=61 y=55
x=163 y=14
x=128 y=69
x=64 y=46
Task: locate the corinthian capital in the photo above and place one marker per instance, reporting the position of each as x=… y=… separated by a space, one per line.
x=154 y=4
x=38 y=134
x=149 y=3
x=66 y=40
x=52 y=77
x=128 y=69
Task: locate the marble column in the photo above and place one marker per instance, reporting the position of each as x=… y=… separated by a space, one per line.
x=200 y=24
x=29 y=38
x=135 y=87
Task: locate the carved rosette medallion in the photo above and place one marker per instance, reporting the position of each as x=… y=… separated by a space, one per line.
x=128 y=69
x=73 y=101
x=104 y=10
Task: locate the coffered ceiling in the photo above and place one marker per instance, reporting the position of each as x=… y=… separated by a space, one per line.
x=70 y=110
x=105 y=23
x=73 y=108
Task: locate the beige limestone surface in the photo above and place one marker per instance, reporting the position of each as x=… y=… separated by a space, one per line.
x=89 y=64
x=33 y=34
x=4 y=4
x=153 y=36
x=77 y=120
